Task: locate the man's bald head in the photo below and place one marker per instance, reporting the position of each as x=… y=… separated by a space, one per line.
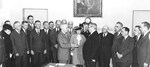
x=64 y=27
x=70 y=24
x=105 y=29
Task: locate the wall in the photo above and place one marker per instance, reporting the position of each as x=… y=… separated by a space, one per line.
x=113 y=10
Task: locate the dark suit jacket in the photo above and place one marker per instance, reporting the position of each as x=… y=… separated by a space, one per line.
x=37 y=41
x=135 y=49
x=91 y=45
x=106 y=44
x=125 y=48
x=116 y=42
x=27 y=33
x=19 y=42
x=2 y=49
x=54 y=36
x=47 y=38
x=30 y=28
x=86 y=34
x=144 y=49
x=7 y=44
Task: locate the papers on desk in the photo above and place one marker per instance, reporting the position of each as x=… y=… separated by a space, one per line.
x=60 y=64
x=51 y=66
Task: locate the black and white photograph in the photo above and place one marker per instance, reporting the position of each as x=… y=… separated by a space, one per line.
x=74 y=33
x=83 y=8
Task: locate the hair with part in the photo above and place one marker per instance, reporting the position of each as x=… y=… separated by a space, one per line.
x=88 y=18
x=93 y=25
x=146 y=24
x=51 y=22
x=45 y=22
x=126 y=29
x=24 y=22
x=57 y=21
x=37 y=21
x=137 y=26
x=29 y=16
x=120 y=23
x=16 y=22
x=6 y=21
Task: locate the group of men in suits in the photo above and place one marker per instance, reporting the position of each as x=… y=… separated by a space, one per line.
x=131 y=51
x=120 y=48
x=33 y=46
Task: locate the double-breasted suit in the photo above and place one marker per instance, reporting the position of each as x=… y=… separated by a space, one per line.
x=38 y=45
x=64 y=47
x=143 y=50
x=20 y=46
x=125 y=48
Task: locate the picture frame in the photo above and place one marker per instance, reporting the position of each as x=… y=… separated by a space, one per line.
x=38 y=13
x=84 y=8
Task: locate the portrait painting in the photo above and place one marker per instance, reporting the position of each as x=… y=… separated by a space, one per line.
x=84 y=8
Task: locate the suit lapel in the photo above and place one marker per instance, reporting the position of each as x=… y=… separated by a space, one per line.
x=141 y=40
x=18 y=34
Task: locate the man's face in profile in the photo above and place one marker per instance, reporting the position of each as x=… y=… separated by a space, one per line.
x=58 y=24
x=38 y=25
x=51 y=25
x=118 y=27
x=30 y=19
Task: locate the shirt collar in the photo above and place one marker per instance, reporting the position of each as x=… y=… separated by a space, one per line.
x=126 y=37
x=17 y=31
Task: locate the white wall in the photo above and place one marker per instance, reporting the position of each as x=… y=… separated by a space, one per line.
x=113 y=10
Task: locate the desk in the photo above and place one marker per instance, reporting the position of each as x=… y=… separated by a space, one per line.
x=58 y=65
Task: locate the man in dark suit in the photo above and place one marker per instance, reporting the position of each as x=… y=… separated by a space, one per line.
x=124 y=51
x=106 y=41
x=90 y=46
x=20 y=45
x=37 y=45
x=117 y=41
x=48 y=43
x=51 y=25
x=85 y=31
x=137 y=37
x=53 y=38
x=27 y=33
x=144 y=46
x=30 y=20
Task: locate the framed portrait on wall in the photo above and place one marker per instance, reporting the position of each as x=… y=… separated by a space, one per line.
x=0 y=4
x=38 y=13
x=84 y=8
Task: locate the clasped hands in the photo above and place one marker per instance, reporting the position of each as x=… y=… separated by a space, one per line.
x=32 y=52
x=74 y=45
x=119 y=55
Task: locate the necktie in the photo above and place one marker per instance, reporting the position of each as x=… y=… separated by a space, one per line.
x=46 y=31
x=38 y=31
x=25 y=31
x=104 y=35
x=32 y=26
x=123 y=39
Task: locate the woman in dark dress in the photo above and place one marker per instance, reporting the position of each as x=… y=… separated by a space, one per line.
x=7 y=29
x=2 y=51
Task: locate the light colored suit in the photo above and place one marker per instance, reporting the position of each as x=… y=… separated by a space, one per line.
x=64 y=47
x=77 y=52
